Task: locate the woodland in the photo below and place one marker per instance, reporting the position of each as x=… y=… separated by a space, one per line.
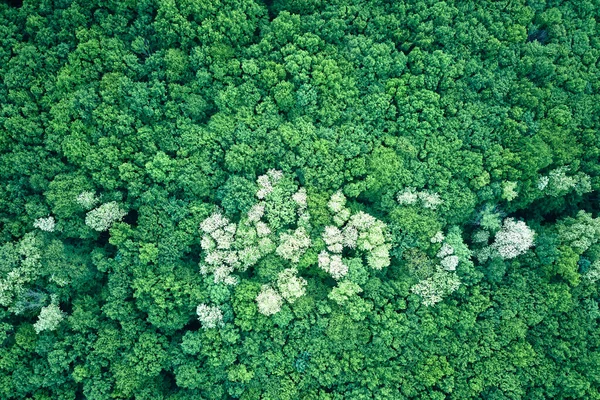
x=299 y=199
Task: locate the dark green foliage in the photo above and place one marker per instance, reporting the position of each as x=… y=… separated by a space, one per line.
x=173 y=109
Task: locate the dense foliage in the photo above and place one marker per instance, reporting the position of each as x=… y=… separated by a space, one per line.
x=299 y=199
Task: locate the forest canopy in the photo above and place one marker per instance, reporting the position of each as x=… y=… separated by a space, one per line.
x=299 y=199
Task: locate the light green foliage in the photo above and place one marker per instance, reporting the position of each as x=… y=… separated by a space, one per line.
x=343 y=291
x=209 y=316
x=433 y=289
x=360 y=232
x=280 y=208
x=290 y=285
x=481 y=236
x=509 y=190
x=593 y=274
x=21 y=265
x=581 y=232
x=460 y=249
x=45 y=224
x=490 y=218
x=87 y=200
x=369 y=174
x=102 y=218
x=438 y=278
x=49 y=318
x=558 y=183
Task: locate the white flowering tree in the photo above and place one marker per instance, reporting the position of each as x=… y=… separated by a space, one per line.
x=229 y=247
x=433 y=289
x=360 y=232
x=45 y=224
x=411 y=196
x=49 y=318
x=513 y=239
x=209 y=316
x=440 y=279
x=290 y=285
x=87 y=200
x=558 y=182
x=102 y=218
x=579 y=233
x=268 y=301
x=593 y=273
x=21 y=264
x=221 y=258
x=293 y=245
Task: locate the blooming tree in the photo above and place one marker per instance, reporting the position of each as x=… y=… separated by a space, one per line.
x=45 y=224
x=293 y=245
x=49 y=318
x=101 y=219
x=441 y=279
x=269 y=302
x=513 y=239
x=290 y=285
x=358 y=232
x=438 y=237
x=209 y=316
x=87 y=200
x=433 y=290
x=410 y=196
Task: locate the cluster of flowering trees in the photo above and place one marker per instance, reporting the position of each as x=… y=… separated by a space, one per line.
x=360 y=233
x=427 y=199
x=511 y=240
x=557 y=183
x=289 y=287
x=442 y=280
x=279 y=223
x=26 y=258
x=230 y=247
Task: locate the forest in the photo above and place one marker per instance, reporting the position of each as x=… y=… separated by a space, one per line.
x=299 y=199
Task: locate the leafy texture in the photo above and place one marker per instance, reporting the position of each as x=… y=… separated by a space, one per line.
x=299 y=199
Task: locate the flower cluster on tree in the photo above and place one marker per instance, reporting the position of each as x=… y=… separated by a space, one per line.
x=427 y=199
x=288 y=286
x=49 y=318
x=87 y=200
x=293 y=245
x=221 y=258
x=45 y=224
x=102 y=218
x=581 y=232
x=269 y=302
x=558 y=183
x=593 y=273
x=209 y=316
x=267 y=182
x=229 y=247
x=439 y=279
x=21 y=264
x=513 y=239
x=359 y=232
x=433 y=289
